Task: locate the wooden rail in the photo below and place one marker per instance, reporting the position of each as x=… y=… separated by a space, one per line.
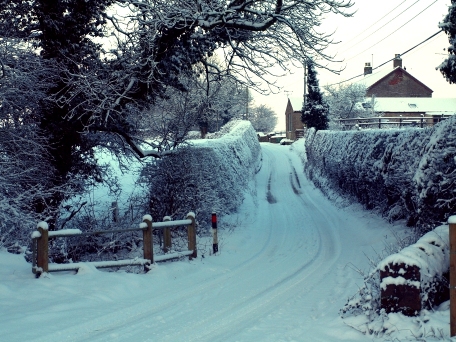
x=40 y=245
x=392 y=121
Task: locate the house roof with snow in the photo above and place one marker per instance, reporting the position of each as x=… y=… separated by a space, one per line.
x=296 y=103
x=370 y=79
x=428 y=105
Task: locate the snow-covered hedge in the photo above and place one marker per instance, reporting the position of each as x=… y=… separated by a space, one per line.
x=406 y=174
x=210 y=175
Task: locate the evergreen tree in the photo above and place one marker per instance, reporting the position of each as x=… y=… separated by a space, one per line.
x=448 y=67
x=315 y=111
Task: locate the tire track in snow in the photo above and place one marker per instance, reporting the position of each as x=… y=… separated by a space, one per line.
x=280 y=268
x=97 y=330
x=243 y=315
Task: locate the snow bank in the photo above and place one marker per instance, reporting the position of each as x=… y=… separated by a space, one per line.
x=405 y=174
x=430 y=254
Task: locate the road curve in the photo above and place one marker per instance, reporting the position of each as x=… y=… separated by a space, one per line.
x=277 y=276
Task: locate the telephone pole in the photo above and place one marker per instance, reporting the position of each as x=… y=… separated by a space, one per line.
x=305 y=83
x=246 y=103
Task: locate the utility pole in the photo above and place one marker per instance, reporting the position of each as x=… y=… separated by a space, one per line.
x=246 y=103
x=305 y=83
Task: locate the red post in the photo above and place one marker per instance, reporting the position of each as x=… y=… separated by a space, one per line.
x=214 y=233
x=452 y=223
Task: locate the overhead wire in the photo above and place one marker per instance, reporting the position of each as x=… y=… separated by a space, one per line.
x=393 y=31
x=389 y=35
x=345 y=49
x=414 y=47
x=365 y=30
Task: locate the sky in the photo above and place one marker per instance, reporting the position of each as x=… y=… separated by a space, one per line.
x=282 y=274
x=377 y=31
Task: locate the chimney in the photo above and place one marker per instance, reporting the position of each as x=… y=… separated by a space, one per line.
x=397 y=61
x=367 y=69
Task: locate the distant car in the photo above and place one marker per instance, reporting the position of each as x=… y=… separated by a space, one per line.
x=286 y=142
x=276 y=139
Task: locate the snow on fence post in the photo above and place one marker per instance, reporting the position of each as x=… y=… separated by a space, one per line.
x=191 y=233
x=452 y=228
x=147 y=240
x=42 y=258
x=167 y=235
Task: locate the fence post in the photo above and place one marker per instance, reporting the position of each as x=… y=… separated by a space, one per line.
x=422 y=116
x=214 y=233
x=34 y=255
x=452 y=223
x=42 y=258
x=166 y=236
x=148 y=245
x=400 y=121
x=191 y=232
x=379 y=123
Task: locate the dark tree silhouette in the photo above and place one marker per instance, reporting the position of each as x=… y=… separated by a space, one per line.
x=315 y=111
x=448 y=67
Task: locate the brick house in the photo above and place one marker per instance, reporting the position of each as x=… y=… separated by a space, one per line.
x=294 y=126
x=396 y=93
x=393 y=83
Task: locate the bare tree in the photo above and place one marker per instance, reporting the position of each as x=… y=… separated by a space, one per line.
x=108 y=62
x=263 y=118
x=158 y=42
x=348 y=101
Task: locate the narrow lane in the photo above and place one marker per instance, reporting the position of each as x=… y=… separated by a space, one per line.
x=278 y=275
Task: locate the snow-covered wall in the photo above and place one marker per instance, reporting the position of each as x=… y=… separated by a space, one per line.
x=406 y=174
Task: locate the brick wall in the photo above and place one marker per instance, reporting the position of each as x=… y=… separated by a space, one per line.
x=292 y=121
x=399 y=84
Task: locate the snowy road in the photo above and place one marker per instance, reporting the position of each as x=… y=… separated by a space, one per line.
x=281 y=275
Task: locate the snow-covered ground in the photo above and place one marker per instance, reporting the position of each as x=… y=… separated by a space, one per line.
x=282 y=274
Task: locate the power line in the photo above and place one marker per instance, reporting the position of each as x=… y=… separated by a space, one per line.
x=424 y=41
x=393 y=31
x=382 y=25
x=364 y=31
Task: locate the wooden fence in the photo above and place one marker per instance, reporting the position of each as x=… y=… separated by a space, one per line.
x=40 y=245
x=391 y=121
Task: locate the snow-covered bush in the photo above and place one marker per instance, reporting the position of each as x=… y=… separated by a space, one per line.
x=210 y=175
x=405 y=174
